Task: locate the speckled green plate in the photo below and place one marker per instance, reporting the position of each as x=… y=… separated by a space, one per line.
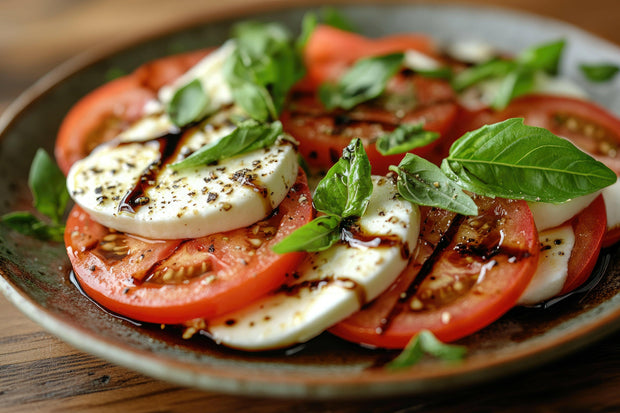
x=36 y=275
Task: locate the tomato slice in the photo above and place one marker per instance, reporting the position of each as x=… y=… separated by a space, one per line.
x=179 y=280
x=111 y=108
x=589 y=126
x=589 y=227
x=409 y=99
x=330 y=51
x=468 y=271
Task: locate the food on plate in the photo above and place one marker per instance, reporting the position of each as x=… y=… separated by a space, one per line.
x=271 y=189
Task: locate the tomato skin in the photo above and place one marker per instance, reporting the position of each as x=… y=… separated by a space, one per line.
x=589 y=227
x=450 y=302
x=108 y=110
x=235 y=271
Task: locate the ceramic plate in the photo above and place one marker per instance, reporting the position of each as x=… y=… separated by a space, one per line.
x=36 y=275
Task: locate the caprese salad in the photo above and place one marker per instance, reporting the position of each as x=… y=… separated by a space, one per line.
x=271 y=189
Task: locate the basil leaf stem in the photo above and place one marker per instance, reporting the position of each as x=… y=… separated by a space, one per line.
x=366 y=80
x=422 y=343
x=513 y=160
x=248 y=136
x=423 y=183
x=405 y=138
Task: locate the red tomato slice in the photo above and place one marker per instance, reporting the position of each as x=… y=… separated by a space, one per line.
x=111 y=108
x=587 y=125
x=468 y=272
x=409 y=99
x=179 y=280
x=330 y=51
x=589 y=227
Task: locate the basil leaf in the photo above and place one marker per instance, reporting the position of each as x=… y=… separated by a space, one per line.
x=422 y=182
x=27 y=224
x=346 y=188
x=483 y=71
x=422 y=343
x=516 y=83
x=599 y=73
x=48 y=186
x=308 y=24
x=262 y=69
x=317 y=235
x=543 y=57
x=188 y=104
x=248 y=136
x=366 y=80
x=405 y=138
x=512 y=160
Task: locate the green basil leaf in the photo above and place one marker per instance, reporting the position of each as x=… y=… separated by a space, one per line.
x=422 y=343
x=475 y=74
x=248 y=136
x=333 y=17
x=443 y=72
x=48 y=186
x=317 y=235
x=516 y=83
x=188 y=104
x=27 y=224
x=422 y=182
x=600 y=72
x=405 y=138
x=543 y=57
x=308 y=24
x=366 y=80
x=512 y=160
x=346 y=188
x=263 y=68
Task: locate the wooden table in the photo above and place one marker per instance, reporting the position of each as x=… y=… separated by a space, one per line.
x=38 y=372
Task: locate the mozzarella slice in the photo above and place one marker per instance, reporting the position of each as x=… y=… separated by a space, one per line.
x=186 y=203
x=611 y=195
x=329 y=285
x=551 y=215
x=550 y=276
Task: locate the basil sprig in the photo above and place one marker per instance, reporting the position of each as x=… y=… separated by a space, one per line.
x=249 y=135
x=342 y=196
x=517 y=75
x=405 y=138
x=423 y=183
x=188 y=104
x=423 y=343
x=602 y=72
x=512 y=160
x=264 y=66
x=50 y=198
x=366 y=80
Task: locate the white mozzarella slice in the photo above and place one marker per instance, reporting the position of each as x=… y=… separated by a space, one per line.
x=611 y=195
x=329 y=285
x=471 y=51
x=550 y=276
x=551 y=215
x=415 y=60
x=209 y=71
x=186 y=203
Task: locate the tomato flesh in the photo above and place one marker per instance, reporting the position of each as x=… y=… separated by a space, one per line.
x=468 y=271
x=179 y=280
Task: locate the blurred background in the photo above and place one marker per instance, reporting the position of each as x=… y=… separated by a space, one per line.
x=37 y=35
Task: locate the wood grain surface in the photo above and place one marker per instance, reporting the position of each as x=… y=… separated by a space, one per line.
x=40 y=373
